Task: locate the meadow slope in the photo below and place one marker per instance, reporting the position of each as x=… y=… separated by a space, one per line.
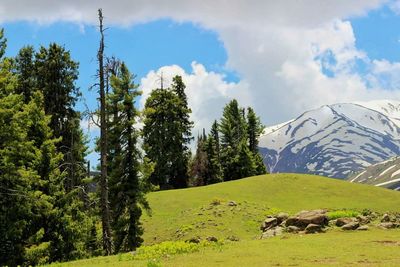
x=184 y=213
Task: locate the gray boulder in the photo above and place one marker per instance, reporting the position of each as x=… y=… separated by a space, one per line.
x=351 y=226
x=269 y=223
x=313 y=228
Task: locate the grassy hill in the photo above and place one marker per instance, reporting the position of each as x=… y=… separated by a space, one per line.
x=205 y=211
x=182 y=214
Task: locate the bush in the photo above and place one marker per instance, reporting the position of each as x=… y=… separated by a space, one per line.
x=169 y=248
x=38 y=254
x=332 y=215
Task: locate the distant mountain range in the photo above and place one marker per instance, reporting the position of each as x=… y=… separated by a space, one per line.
x=334 y=140
x=385 y=174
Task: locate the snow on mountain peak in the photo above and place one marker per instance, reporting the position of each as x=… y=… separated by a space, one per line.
x=334 y=140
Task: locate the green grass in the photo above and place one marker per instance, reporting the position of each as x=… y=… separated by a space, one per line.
x=332 y=215
x=182 y=214
x=178 y=215
x=336 y=248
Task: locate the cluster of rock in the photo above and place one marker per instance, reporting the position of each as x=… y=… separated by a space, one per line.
x=317 y=221
x=305 y=221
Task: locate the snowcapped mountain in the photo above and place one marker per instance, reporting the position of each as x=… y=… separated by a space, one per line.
x=384 y=174
x=334 y=140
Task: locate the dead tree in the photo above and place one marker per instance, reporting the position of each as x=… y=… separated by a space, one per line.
x=105 y=208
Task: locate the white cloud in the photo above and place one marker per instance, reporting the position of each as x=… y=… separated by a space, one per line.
x=207 y=92
x=279 y=48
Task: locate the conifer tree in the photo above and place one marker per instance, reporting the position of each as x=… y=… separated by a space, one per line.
x=254 y=130
x=167 y=134
x=125 y=190
x=25 y=70
x=182 y=136
x=199 y=164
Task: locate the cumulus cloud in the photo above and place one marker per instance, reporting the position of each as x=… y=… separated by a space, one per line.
x=291 y=55
x=207 y=91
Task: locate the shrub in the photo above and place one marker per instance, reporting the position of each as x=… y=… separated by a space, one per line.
x=169 y=248
x=332 y=215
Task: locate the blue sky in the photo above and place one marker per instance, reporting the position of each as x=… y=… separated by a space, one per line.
x=244 y=52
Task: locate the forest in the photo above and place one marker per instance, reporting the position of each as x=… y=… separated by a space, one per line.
x=52 y=209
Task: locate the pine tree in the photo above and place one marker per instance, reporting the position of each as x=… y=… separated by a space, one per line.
x=25 y=70
x=215 y=172
x=159 y=134
x=3 y=43
x=254 y=130
x=125 y=189
x=199 y=164
x=237 y=159
x=167 y=134
x=182 y=137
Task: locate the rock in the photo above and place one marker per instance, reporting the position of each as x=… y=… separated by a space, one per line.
x=291 y=221
x=212 y=239
x=343 y=221
x=332 y=223
x=293 y=229
x=311 y=217
x=304 y=218
x=195 y=240
x=363 y=219
x=233 y=238
x=281 y=217
x=232 y=203
x=351 y=226
x=363 y=228
x=269 y=223
x=272 y=232
x=387 y=225
x=385 y=218
x=313 y=228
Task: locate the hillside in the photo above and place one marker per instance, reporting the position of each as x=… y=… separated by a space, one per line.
x=181 y=214
x=205 y=211
x=384 y=174
x=334 y=140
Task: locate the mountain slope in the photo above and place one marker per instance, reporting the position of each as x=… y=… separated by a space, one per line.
x=334 y=140
x=385 y=174
x=184 y=213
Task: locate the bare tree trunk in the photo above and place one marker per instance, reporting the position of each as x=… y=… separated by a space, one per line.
x=105 y=209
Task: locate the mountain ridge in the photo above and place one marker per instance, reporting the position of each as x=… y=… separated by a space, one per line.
x=334 y=140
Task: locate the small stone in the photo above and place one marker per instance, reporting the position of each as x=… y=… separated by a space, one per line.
x=212 y=239
x=281 y=217
x=363 y=228
x=351 y=226
x=233 y=238
x=272 y=232
x=385 y=218
x=313 y=228
x=363 y=219
x=343 y=221
x=232 y=203
x=194 y=240
x=387 y=225
x=293 y=229
x=269 y=223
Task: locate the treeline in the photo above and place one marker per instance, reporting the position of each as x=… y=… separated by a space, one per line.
x=51 y=209
x=48 y=209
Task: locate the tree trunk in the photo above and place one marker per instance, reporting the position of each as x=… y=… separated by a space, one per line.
x=105 y=209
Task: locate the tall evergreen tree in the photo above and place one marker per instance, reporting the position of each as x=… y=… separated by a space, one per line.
x=237 y=158
x=125 y=190
x=254 y=130
x=167 y=134
x=25 y=70
x=183 y=135
x=199 y=163
x=159 y=134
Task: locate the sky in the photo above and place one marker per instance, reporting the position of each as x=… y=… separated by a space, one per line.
x=280 y=57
